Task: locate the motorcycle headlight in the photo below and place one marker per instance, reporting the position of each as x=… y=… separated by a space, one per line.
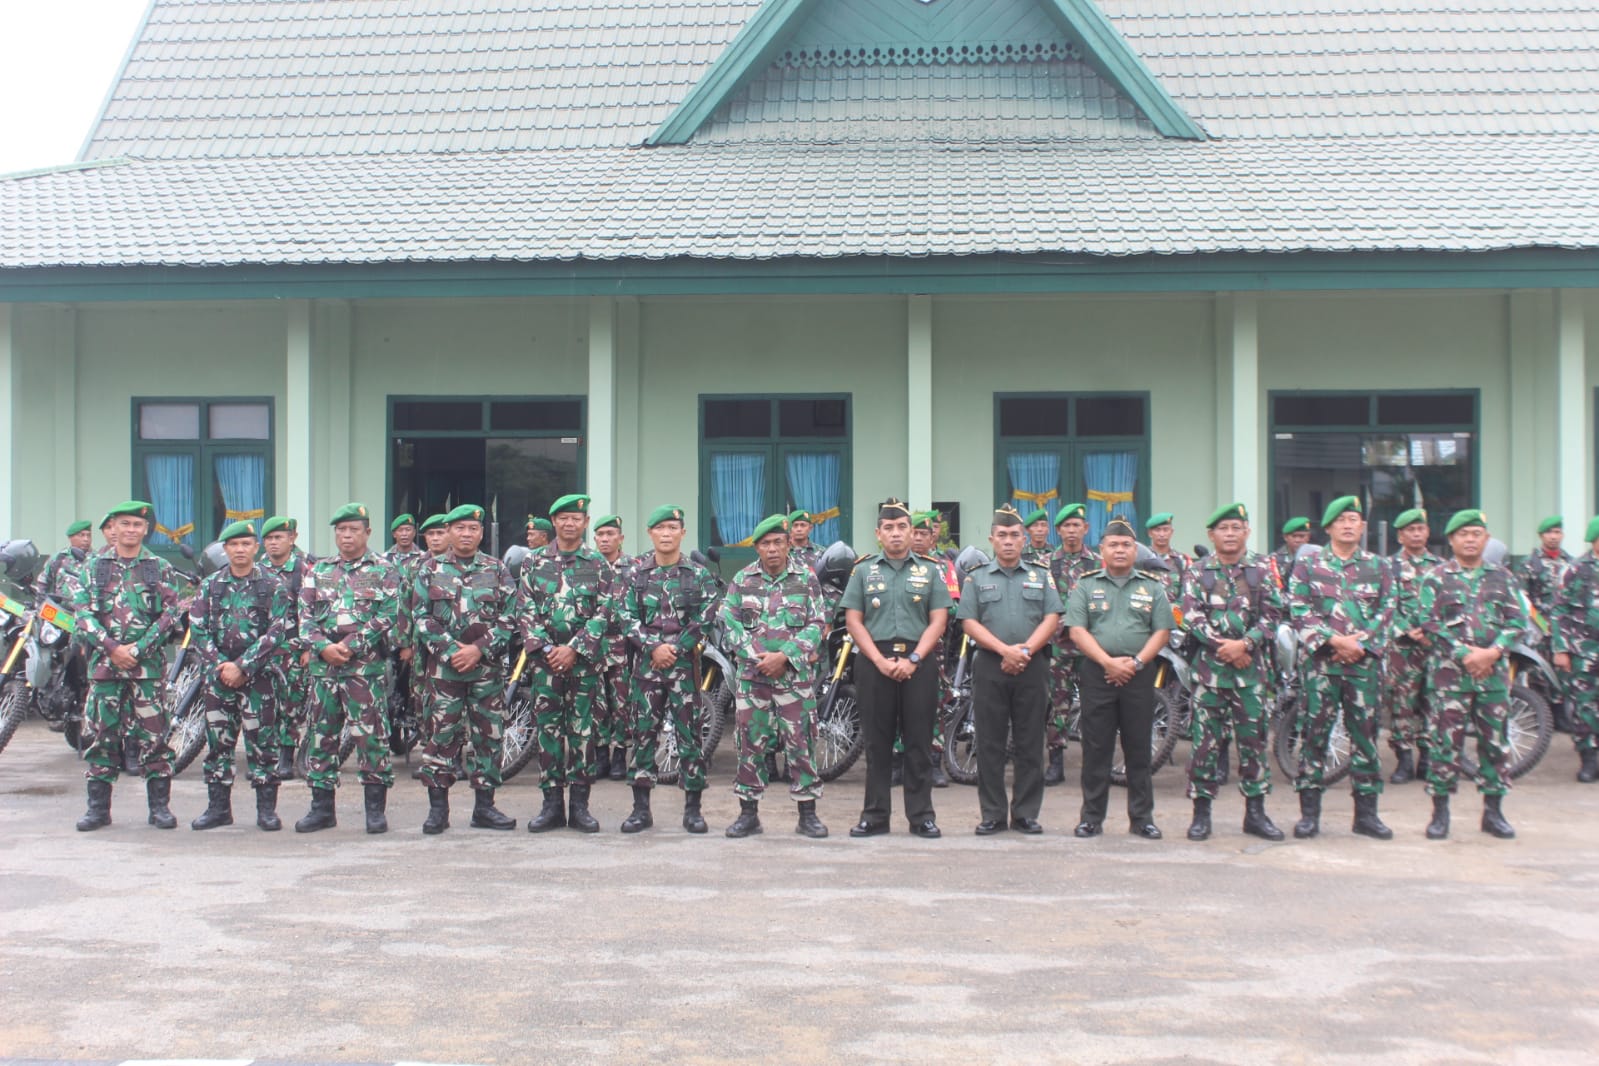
x=51 y=636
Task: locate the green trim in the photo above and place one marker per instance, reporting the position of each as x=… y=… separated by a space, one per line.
x=203 y=448
x=1108 y=52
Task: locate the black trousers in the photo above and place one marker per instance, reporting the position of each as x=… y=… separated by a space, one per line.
x=1015 y=705
x=1107 y=711
x=889 y=708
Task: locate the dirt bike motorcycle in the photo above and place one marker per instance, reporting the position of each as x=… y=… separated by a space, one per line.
x=19 y=565
x=179 y=691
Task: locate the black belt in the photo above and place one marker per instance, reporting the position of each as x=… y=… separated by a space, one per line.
x=895 y=647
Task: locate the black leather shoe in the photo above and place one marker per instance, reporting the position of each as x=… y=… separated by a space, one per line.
x=927 y=830
x=863 y=828
x=1088 y=829
x=988 y=827
x=1147 y=830
x=1029 y=826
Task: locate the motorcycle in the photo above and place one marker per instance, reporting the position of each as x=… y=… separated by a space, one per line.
x=1287 y=725
x=959 y=720
x=19 y=565
x=838 y=735
x=179 y=693
x=57 y=672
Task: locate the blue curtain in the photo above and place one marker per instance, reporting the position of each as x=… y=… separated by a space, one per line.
x=813 y=484
x=1037 y=474
x=1112 y=478
x=171 y=482
x=242 y=479
x=738 y=493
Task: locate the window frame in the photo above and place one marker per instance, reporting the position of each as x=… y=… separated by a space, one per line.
x=204 y=449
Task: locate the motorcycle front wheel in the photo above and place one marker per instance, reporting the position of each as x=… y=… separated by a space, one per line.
x=960 y=741
x=1528 y=731
x=839 y=736
x=13 y=708
x=1286 y=745
x=520 y=741
x=186 y=731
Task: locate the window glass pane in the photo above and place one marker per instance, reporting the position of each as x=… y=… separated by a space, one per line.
x=1457 y=409
x=1110 y=416
x=438 y=415
x=1034 y=416
x=740 y=488
x=810 y=418
x=169 y=421
x=240 y=421
x=548 y=415
x=1321 y=410
x=238 y=489
x=737 y=418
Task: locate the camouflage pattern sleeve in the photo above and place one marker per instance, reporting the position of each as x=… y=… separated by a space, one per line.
x=499 y=633
x=312 y=636
x=1374 y=634
x=629 y=615
x=694 y=622
x=1303 y=611
x=89 y=628
x=1565 y=622
x=270 y=642
x=801 y=633
x=1270 y=614
x=201 y=637
x=531 y=605
x=428 y=631
x=1514 y=618
x=1196 y=610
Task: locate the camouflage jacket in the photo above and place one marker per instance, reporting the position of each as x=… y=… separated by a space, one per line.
x=1354 y=597
x=1282 y=561
x=58 y=579
x=806 y=556
x=410 y=565
x=1237 y=602
x=616 y=645
x=567 y=598
x=354 y=602
x=1032 y=556
x=464 y=601
x=134 y=601
x=1408 y=573
x=1067 y=569
x=1465 y=609
x=1574 y=627
x=1540 y=577
x=667 y=605
x=785 y=613
x=1171 y=578
x=242 y=620
x=292 y=574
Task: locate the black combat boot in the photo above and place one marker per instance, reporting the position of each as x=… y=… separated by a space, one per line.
x=618 y=764
x=577 y=813
x=748 y=822
x=602 y=763
x=377 y=798
x=641 y=818
x=1367 y=824
x=99 y=812
x=219 y=807
x=1438 y=828
x=809 y=825
x=485 y=815
x=266 y=807
x=285 y=768
x=158 y=790
x=438 y=819
x=693 y=821
x=1309 y=823
x=1590 y=766
x=1055 y=771
x=1199 y=828
x=321 y=815
x=1256 y=822
x=1405 y=772
x=1493 y=819
x=552 y=815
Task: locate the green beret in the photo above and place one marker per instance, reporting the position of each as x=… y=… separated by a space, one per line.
x=467 y=512
x=1593 y=530
x=575 y=501
x=277 y=522
x=798 y=516
x=1222 y=514
x=401 y=520
x=1295 y=525
x=924 y=520
x=432 y=521
x=608 y=520
x=1554 y=521
x=1471 y=516
x=105 y=520
x=1071 y=510
x=351 y=512
x=234 y=530
x=80 y=526
x=777 y=523
x=667 y=512
x=133 y=509
x=1338 y=507
x=1158 y=519
x=1410 y=518
x=1039 y=515
x=543 y=525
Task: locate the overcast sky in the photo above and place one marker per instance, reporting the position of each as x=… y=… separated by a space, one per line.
x=57 y=59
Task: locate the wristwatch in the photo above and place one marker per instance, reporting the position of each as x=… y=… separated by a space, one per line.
x=914 y=658
x=1138 y=664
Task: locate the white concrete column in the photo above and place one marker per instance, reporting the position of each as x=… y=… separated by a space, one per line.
x=1239 y=412
x=8 y=399
x=1574 y=431
x=919 y=402
x=298 y=391
x=601 y=435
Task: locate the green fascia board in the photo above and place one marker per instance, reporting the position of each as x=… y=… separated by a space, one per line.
x=1108 y=52
x=945 y=275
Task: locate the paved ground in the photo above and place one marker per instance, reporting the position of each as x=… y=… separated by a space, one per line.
x=506 y=948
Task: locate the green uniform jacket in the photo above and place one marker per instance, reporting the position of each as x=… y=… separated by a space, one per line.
x=762 y=613
x=464 y=601
x=666 y=604
x=242 y=620
x=1121 y=615
x=1575 y=625
x=1237 y=602
x=356 y=603
x=1009 y=603
x=1465 y=609
x=567 y=598
x=1354 y=597
x=895 y=598
x=126 y=601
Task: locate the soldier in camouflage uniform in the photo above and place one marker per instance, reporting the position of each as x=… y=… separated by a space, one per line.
x=126 y=605
x=772 y=615
x=1575 y=635
x=664 y=606
x=403 y=530
x=924 y=542
x=465 y=625
x=435 y=536
x=1540 y=574
x=290 y=565
x=1296 y=534
x=50 y=584
x=1231 y=607
x=1405 y=664
x=1473 y=615
x=406 y=556
x=1037 y=551
x=238 y=623
x=564 y=613
x=1159 y=531
x=1341 y=601
x=799 y=539
x=613 y=705
x=349 y=607
x=539 y=532
x=1066 y=566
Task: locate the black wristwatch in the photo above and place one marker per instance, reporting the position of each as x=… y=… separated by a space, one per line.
x=914 y=658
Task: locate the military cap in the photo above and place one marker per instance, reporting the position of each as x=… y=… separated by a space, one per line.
x=1338 y=507
x=1593 y=530
x=467 y=512
x=1554 y=521
x=133 y=509
x=402 y=520
x=1222 y=514
x=277 y=522
x=1159 y=519
x=1471 y=516
x=351 y=512
x=1039 y=515
x=1006 y=515
x=798 y=516
x=80 y=526
x=543 y=525
x=1117 y=527
x=1071 y=510
x=1410 y=518
x=1297 y=524
x=924 y=520
x=893 y=507
x=574 y=501
x=670 y=512
x=234 y=530
x=608 y=520
x=777 y=523
x=432 y=521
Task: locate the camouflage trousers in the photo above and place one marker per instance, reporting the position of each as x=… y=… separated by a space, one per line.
x=563 y=714
x=613 y=703
x=251 y=710
x=464 y=715
x=1062 y=691
x=772 y=715
x=1485 y=713
x=1216 y=712
x=1582 y=696
x=661 y=697
x=1405 y=695
x=292 y=696
x=1326 y=697
x=358 y=699
x=118 y=709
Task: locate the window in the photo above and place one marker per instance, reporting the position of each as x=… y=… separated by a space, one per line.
x=203 y=464
x=762 y=455
x=1055 y=448
x=1395 y=450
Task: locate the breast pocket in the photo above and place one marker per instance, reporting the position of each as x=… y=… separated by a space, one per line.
x=990 y=594
x=1033 y=595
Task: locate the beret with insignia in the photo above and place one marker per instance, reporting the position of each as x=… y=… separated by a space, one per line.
x=234 y=530
x=669 y=513
x=777 y=523
x=401 y=520
x=351 y=512
x=1410 y=518
x=1071 y=510
x=1471 y=516
x=1554 y=521
x=1222 y=514
x=432 y=521
x=1341 y=505
x=1160 y=518
x=277 y=522
x=1296 y=524
x=1040 y=515
x=604 y=520
x=80 y=526
x=575 y=501
x=798 y=516
x=132 y=509
x=467 y=512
